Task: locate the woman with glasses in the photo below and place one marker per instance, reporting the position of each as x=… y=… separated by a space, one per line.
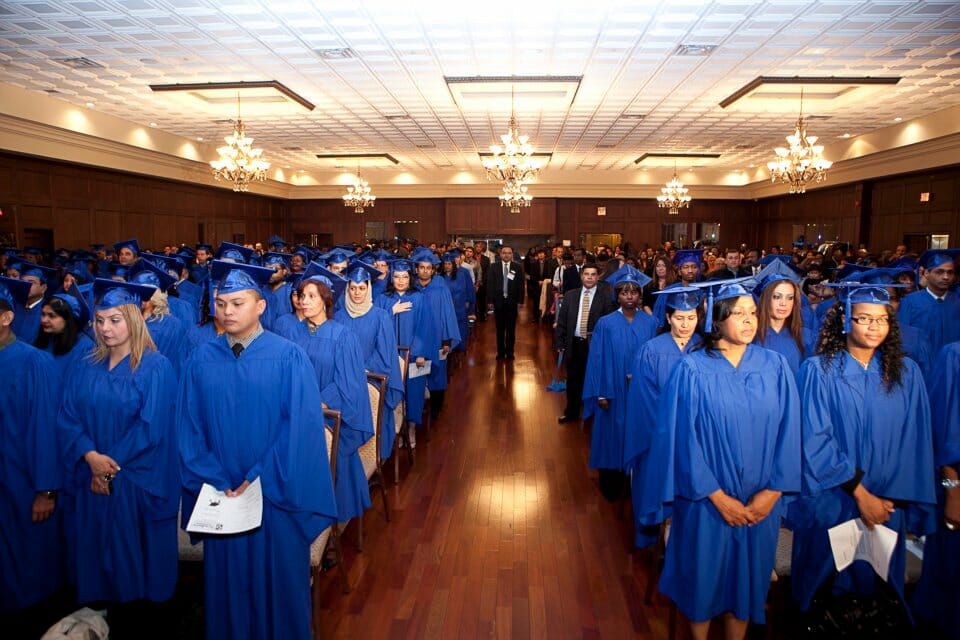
x=729 y=421
x=867 y=450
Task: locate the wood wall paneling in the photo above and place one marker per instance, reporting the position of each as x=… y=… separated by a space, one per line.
x=71 y=227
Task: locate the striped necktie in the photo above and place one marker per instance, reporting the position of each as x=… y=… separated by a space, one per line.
x=584 y=313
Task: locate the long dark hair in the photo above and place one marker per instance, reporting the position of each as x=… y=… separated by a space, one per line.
x=721 y=311
x=453 y=272
x=66 y=340
x=833 y=341
x=794 y=322
x=671 y=272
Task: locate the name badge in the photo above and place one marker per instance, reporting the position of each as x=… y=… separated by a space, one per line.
x=511 y=275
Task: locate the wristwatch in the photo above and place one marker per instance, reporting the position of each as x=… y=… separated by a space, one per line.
x=949 y=483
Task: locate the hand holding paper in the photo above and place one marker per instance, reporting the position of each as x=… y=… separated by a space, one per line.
x=218 y=513
x=853 y=540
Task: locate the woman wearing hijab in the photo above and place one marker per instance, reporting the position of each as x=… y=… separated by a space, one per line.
x=338 y=363
x=118 y=441
x=62 y=319
x=373 y=328
x=409 y=309
x=461 y=290
x=677 y=313
x=613 y=345
x=729 y=420
x=865 y=412
x=781 y=324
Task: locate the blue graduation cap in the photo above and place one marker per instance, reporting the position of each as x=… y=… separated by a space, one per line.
x=336 y=256
x=14 y=292
x=198 y=247
x=770 y=258
x=677 y=298
x=905 y=263
x=117 y=270
x=843 y=273
x=382 y=255
x=272 y=258
x=78 y=305
x=80 y=272
x=424 y=254
x=231 y=277
x=628 y=274
x=43 y=274
x=850 y=293
x=274 y=241
x=449 y=256
x=33 y=251
x=455 y=252
x=776 y=271
x=402 y=265
x=111 y=293
x=716 y=290
x=687 y=255
x=359 y=271
x=170 y=264
x=131 y=244
x=933 y=258
x=335 y=281
x=97 y=247
x=147 y=273
x=881 y=276
x=349 y=248
x=229 y=251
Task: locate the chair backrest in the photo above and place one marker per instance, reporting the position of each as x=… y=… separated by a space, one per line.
x=404 y=361
x=331 y=423
x=376 y=384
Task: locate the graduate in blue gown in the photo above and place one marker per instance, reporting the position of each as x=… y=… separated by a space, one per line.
x=613 y=346
x=677 y=313
x=170 y=336
x=30 y=472
x=935 y=311
x=938 y=593
x=26 y=323
x=441 y=313
x=781 y=326
x=118 y=442
x=334 y=352
x=64 y=315
x=867 y=450
x=409 y=310
x=462 y=294
x=729 y=420
x=278 y=289
x=249 y=407
x=185 y=310
x=373 y=327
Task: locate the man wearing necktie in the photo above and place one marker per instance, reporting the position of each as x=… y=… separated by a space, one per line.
x=578 y=314
x=505 y=286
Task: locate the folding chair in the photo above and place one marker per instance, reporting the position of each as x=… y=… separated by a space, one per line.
x=370 y=451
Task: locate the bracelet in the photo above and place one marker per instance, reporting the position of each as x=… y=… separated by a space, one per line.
x=949 y=483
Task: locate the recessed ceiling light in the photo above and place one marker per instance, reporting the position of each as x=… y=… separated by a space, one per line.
x=897 y=119
x=846 y=135
x=752 y=166
x=153 y=124
x=199 y=138
x=90 y=104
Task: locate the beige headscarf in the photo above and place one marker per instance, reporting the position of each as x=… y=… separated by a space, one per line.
x=356 y=310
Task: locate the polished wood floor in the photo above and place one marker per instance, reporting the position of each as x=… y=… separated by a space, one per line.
x=498 y=528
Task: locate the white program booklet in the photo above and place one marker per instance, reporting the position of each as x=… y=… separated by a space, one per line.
x=216 y=513
x=852 y=540
x=415 y=371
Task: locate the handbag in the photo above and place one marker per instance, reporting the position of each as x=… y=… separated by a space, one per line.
x=881 y=614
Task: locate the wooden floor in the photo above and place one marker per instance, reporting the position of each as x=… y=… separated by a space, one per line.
x=498 y=529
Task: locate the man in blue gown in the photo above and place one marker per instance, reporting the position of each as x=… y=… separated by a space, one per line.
x=936 y=309
x=30 y=474
x=26 y=323
x=441 y=311
x=248 y=408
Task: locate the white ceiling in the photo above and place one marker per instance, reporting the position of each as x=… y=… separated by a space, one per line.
x=624 y=51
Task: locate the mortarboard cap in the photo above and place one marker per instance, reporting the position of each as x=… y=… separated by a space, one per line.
x=147 y=273
x=33 y=251
x=687 y=255
x=97 y=247
x=131 y=244
x=14 y=292
x=228 y=251
x=850 y=293
x=675 y=297
x=37 y=271
x=336 y=256
x=275 y=241
x=80 y=272
x=775 y=271
x=770 y=258
x=272 y=258
x=359 y=271
x=112 y=293
x=716 y=290
x=117 y=270
x=903 y=263
x=847 y=270
x=402 y=265
x=204 y=247
x=335 y=281
x=231 y=277
x=424 y=254
x=933 y=258
x=173 y=265
x=78 y=305
x=382 y=255
x=628 y=274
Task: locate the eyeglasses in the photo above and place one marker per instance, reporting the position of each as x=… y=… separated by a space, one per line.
x=880 y=321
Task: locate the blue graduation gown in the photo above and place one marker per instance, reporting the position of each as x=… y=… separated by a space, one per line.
x=338 y=364
x=613 y=346
x=850 y=422
x=378 y=345
x=172 y=338
x=736 y=429
x=441 y=313
x=127 y=415
x=783 y=343
x=413 y=330
x=278 y=304
x=379 y=286
x=649 y=372
x=464 y=301
x=939 y=321
x=242 y=418
x=938 y=592
x=26 y=322
x=30 y=553
x=81 y=349
x=183 y=311
x=916 y=345
x=192 y=294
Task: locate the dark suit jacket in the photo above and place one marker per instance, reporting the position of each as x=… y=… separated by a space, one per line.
x=550 y=267
x=570 y=279
x=494 y=281
x=726 y=273
x=568 y=318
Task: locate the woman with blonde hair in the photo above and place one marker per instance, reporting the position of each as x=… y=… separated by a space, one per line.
x=117 y=439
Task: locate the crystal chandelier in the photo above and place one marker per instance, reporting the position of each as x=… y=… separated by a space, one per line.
x=803 y=162
x=515 y=196
x=674 y=195
x=358 y=195
x=239 y=162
